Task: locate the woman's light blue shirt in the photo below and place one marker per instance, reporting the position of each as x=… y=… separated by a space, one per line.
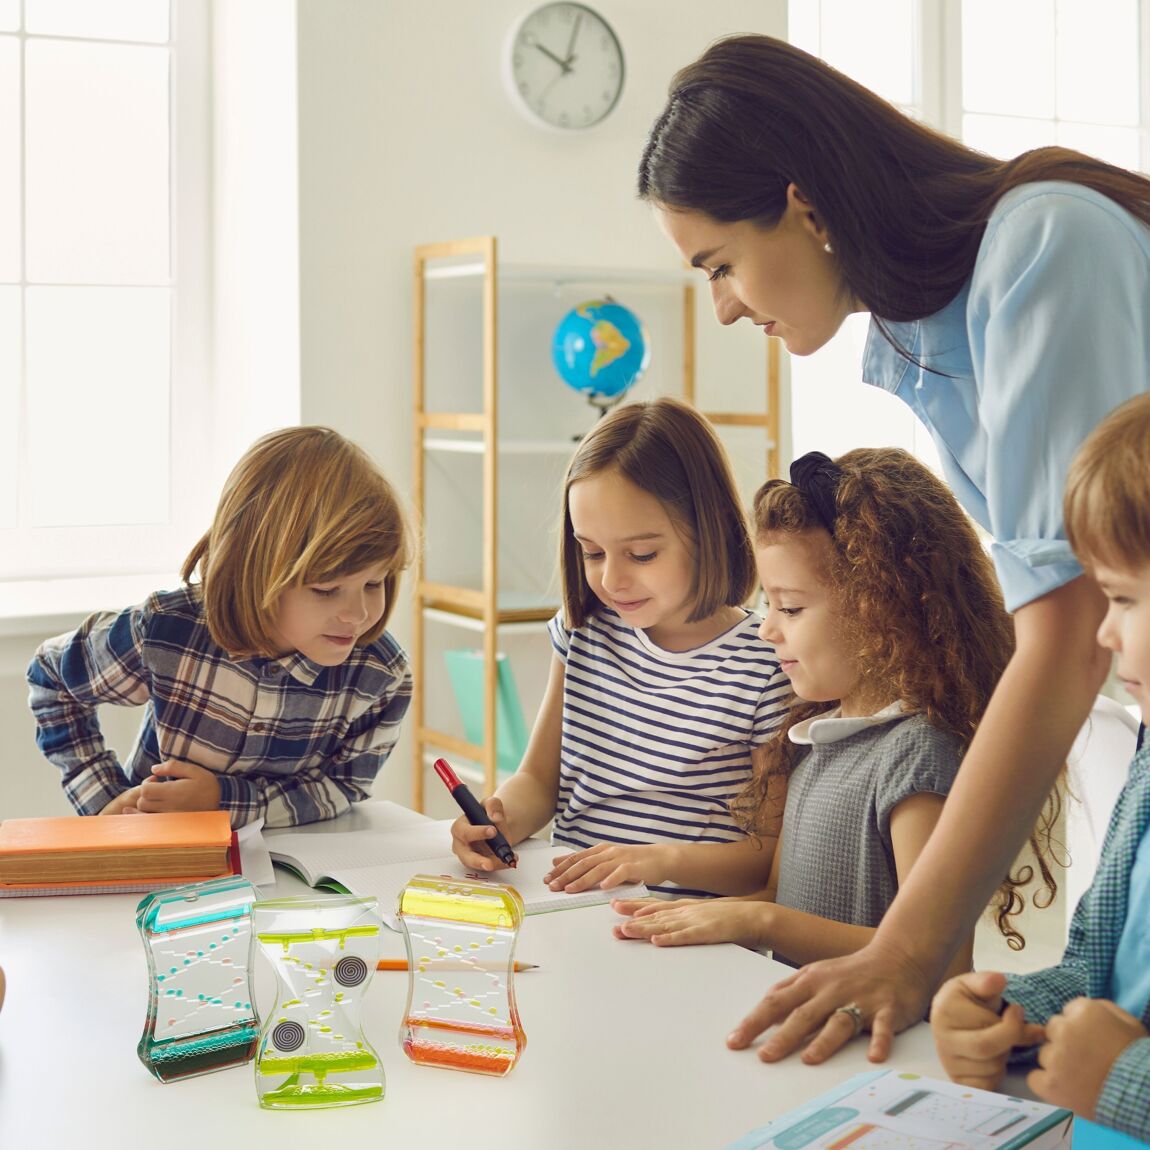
x=1051 y=332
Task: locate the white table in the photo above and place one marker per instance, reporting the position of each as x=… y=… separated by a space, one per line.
x=625 y=1048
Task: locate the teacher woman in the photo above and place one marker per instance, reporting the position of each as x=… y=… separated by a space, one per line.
x=1010 y=309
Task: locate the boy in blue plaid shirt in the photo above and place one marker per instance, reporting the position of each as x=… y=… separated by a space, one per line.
x=270 y=686
x=1084 y=1022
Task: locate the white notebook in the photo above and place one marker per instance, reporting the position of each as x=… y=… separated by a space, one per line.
x=381 y=864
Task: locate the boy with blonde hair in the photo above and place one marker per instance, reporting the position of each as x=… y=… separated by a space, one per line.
x=271 y=686
x=1084 y=1022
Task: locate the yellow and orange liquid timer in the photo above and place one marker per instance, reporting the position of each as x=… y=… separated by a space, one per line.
x=461 y=1012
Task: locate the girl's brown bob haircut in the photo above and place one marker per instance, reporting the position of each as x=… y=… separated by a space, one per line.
x=304 y=505
x=1107 y=503
x=669 y=450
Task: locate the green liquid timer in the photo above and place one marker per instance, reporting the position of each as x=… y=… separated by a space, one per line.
x=312 y=1052
x=461 y=1012
x=200 y=1015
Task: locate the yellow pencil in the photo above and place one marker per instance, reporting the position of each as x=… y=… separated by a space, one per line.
x=401 y=964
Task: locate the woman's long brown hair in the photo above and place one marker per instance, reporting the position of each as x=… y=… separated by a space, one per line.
x=905 y=206
x=923 y=612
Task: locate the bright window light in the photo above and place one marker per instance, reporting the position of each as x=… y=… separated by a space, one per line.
x=1097 y=61
x=97 y=163
x=873 y=43
x=9 y=159
x=1008 y=57
x=110 y=375
x=143 y=20
x=10 y=354
x=1006 y=136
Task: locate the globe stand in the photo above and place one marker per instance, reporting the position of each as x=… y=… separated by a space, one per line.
x=603 y=404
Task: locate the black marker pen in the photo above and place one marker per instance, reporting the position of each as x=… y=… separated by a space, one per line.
x=474 y=811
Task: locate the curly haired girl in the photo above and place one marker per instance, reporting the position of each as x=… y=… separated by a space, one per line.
x=885 y=612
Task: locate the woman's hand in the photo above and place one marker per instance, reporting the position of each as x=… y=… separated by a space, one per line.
x=888 y=988
x=609 y=865
x=176 y=785
x=469 y=842
x=690 y=921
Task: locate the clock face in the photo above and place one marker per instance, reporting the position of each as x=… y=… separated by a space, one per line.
x=565 y=66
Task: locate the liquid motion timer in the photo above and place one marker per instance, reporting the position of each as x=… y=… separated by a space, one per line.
x=461 y=1012
x=200 y=1015
x=312 y=1051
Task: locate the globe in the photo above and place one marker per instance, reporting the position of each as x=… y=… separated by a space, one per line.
x=600 y=349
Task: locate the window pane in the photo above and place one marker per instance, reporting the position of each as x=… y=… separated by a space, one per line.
x=803 y=25
x=97 y=156
x=832 y=411
x=1008 y=57
x=9 y=159
x=9 y=15
x=105 y=19
x=10 y=340
x=872 y=43
x=1098 y=61
x=1117 y=145
x=1006 y=136
x=103 y=356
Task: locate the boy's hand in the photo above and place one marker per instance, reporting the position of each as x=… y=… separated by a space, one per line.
x=123 y=804
x=179 y=786
x=973 y=1041
x=469 y=843
x=689 y=921
x=608 y=865
x=1081 y=1045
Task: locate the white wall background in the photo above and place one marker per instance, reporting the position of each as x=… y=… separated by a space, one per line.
x=406 y=135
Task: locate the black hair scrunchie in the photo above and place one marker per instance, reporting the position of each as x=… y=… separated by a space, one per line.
x=817 y=476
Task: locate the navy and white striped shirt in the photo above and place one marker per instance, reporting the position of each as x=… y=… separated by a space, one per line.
x=290 y=740
x=656 y=743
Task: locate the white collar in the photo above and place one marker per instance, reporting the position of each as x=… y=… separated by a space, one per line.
x=832 y=726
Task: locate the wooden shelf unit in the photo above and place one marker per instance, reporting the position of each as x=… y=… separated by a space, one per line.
x=478 y=433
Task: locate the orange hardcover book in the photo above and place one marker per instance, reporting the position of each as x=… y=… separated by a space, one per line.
x=120 y=848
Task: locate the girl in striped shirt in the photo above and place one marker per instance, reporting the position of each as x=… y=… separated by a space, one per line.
x=660 y=688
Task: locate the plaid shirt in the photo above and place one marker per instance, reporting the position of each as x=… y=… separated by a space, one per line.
x=1085 y=969
x=289 y=740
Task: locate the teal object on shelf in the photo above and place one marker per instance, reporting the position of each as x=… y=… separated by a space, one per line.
x=600 y=349
x=465 y=666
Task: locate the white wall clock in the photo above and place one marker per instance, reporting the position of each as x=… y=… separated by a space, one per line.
x=564 y=66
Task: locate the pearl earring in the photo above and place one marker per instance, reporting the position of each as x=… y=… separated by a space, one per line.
x=828 y=249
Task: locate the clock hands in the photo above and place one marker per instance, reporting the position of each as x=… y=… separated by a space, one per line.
x=565 y=65
x=551 y=84
x=571 y=43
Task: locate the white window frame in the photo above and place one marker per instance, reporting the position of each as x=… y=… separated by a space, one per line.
x=29 y=556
